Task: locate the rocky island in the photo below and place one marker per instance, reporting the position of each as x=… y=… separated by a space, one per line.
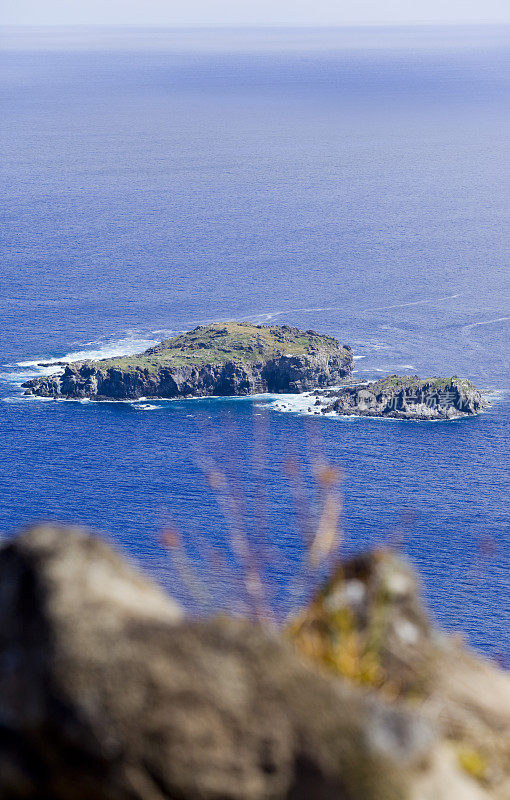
x=228 y=358
x=405 y=397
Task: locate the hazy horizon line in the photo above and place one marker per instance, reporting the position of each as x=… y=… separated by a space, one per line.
x=250 y=38
x=252 y=26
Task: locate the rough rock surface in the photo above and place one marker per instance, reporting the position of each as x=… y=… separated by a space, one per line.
x=223 y=359
x=107 y=693
x=367 y=624
x=406 y=397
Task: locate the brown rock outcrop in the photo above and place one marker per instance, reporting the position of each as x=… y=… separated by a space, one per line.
x=106 y=692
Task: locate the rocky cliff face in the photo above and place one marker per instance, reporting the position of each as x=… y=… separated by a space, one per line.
x=238 y=359
x=282 y=374
x=107 y=692
x=406 y=397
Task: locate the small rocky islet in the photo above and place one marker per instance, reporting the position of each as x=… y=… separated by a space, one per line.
x=239 y=358
x=405 y=397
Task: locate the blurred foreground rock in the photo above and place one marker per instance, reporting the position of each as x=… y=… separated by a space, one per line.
x=367 y=624
x=106 y=693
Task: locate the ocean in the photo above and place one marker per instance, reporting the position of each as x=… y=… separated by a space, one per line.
x=351 y=181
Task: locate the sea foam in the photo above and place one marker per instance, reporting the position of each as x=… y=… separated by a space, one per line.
x=130 y=344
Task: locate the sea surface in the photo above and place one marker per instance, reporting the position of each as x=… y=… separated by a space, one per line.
x=351 y=181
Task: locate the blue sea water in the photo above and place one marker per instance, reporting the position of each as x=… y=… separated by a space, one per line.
x=351 y=181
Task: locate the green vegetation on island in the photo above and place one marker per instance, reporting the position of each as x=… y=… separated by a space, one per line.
x=222 y=342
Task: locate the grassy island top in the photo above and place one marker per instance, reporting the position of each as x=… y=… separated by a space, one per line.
x=395 y=383
x=227 y=341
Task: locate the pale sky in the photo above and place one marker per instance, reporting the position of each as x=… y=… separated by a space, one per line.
x=251 y=12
